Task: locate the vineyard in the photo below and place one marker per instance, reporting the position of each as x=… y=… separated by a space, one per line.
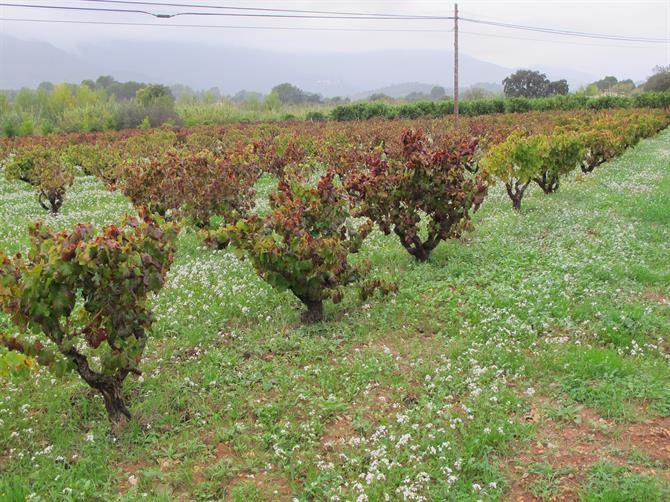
x=409 y=309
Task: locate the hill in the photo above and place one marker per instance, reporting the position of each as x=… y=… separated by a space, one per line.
x=231 y=68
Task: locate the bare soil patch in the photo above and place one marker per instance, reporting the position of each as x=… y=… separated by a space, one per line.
x=656 y=297
x=568 y=450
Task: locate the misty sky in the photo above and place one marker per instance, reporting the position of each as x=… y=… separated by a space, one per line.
x=506 y=47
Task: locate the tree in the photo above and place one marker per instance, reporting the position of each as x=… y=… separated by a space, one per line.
x=290 y=94
x=154 y=93
x=243 y=96
x=46 y=86
x=157 y=104
x=59 y=99
x=379 y=96
x=660 y=80
x=104 y=81
x=624 y=87
x=559 y=87
x=437 y=92
x=526 y=83
x=612 y=84
x=271 y=102
x=591 y=90
x=532 y=84
x=211 y=96
x=606 y=83
x=124 y=90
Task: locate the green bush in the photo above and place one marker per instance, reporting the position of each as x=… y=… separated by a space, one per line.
x=515 y=161
x=560 y=154
x=91 y=118
x=85 y=297
x=43 y=169
x=303 y=244
x=474 y=107
x=421 y=182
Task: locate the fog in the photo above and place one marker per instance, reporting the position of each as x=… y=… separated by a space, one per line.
x=503 y=46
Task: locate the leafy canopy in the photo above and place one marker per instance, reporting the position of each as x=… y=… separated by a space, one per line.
x=85 y=296
x=419 y=182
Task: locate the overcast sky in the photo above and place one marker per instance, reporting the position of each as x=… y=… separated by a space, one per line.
x=506 y=47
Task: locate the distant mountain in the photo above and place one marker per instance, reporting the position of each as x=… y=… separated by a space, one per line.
x=331 y=74
x=398 y=90
x=27 y=63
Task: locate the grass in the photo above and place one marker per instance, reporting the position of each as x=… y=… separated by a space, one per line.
x=612 y=483
x=421 y=396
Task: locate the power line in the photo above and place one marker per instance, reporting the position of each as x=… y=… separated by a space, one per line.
x=399 y=16
x=555 y=31
x=511 y=37
x=222 y=14
x=88 y=9
x=259 y=9
x=282 y=28
x=307 y=14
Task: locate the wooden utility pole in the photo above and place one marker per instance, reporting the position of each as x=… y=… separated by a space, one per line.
x=456 y=63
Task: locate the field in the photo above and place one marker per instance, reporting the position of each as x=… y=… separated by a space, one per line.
x=528 y=360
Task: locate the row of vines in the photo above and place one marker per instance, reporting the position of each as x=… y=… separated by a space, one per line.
x=80 y=297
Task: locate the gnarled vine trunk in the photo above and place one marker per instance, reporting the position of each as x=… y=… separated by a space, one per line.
x=548 y=184
x=418 y=249
x=110 y=387
x=515 y=191
x=112 y=395
x=588 y=167
x=51 y=200
x=314 y=312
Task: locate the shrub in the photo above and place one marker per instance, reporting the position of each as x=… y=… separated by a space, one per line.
x=147 y=144
x=99 y=160
x=559 y=154
x=315 y=116
x=277 y=153
x=600 y=145
x=515 y=161
x=652 y=100
x=195 y=186
x=133 y=114
x=342 y=113
x=303 y=244
x=43 y=169
x=397 y=191
x=85 y=297
x=605 y=102
x=98 y=117
x=518 y=105
x=129 y=115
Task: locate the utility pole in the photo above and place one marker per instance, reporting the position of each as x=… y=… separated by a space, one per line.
x=456 y=63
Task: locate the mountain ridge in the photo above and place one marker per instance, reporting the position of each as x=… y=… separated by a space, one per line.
x=232 y=68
